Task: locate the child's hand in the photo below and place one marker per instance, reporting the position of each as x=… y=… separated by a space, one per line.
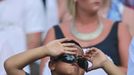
x=97 y=57
x=57 y=47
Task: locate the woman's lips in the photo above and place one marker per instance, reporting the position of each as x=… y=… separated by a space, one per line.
x=97 y=3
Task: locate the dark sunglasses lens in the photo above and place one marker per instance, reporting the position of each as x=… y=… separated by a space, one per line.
x=83 y=63
x=68 y=58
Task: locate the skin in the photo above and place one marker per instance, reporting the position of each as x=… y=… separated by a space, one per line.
x=94 y=54
x=16 y=68
x=64 y=15
x=86 y=21
x=63 y=68
x=127 y=17
x=53 y=48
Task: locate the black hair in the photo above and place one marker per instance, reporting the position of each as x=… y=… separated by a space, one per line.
x=70 y=41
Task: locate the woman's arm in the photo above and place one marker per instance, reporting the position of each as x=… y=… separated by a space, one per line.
x=15 y=64
x=124 y=39
x=128 y=18
x=111 y=69
x=100 y=60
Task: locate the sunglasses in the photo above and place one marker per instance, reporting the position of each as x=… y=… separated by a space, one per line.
x=69 y=58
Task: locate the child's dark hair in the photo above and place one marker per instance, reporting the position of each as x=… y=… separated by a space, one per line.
x=70 y=41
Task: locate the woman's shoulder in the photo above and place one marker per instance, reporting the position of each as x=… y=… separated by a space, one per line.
x=123 y=31
x=51 y=32
x=111 y=23
x=123 y=25
x=63 y=25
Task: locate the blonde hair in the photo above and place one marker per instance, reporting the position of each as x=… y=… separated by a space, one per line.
x=71 y=5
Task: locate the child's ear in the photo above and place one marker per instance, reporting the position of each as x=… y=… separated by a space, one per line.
x=51 y=65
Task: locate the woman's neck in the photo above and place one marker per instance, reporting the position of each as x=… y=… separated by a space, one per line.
x=86 y=18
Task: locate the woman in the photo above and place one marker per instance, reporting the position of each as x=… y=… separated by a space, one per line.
x=91 y=30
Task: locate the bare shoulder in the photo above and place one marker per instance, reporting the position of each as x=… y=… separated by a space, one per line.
x=123 y=26
x=65 y=26
x=123 y=31
x=128 y=18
